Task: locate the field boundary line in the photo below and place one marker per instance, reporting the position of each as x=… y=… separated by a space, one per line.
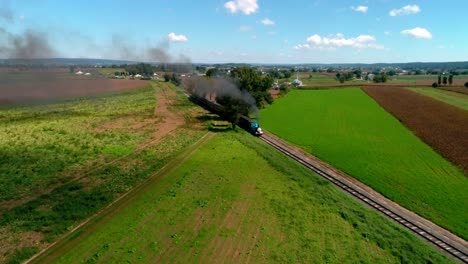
x=123 y=200
x=443 y=239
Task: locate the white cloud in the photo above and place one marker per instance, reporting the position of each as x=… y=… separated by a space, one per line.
x=406 y=10
x=267 y=22
x=302 y=46
x=245 y=6
x=387 y=33
x=176 y=38
x=21 y=18
x=245 y=28
x=417 y=32
x=362 y=9
x=339 y=40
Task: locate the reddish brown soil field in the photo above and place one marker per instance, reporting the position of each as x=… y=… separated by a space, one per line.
x=442 y=126
x=462 y=90
x=37 y=87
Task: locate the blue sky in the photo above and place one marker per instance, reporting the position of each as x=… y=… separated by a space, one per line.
x=252 y=31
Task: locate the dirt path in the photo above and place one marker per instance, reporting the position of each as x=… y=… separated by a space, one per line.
x=442 y=126
x=170 y=120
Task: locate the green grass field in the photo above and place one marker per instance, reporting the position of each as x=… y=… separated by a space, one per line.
x=311 y=79
x=452 y=98
x=40 y=141
x=349 y=130
x=62 y=162
x=110 y=71
x=412 y=79
x=238 y=200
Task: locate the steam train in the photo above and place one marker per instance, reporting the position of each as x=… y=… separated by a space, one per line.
x=244 y=122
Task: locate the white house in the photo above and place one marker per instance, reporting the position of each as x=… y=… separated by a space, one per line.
x=79 y=73
x=296 y=81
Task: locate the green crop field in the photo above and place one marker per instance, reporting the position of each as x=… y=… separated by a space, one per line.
x=453 y=98
x=236 y=199
x=349 y=130
x=311 y=79
x=62 y=162
x=110 y=71
x=429 y=79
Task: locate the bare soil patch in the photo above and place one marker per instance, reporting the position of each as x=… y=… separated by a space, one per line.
x=442 y=126
x=12 y=241
x=39 y=87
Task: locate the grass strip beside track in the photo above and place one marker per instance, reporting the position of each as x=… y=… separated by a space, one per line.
x=238 y=199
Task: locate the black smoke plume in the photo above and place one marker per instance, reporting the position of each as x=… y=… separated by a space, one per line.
x=5 y=12
x=29 y=45
x=211 y=88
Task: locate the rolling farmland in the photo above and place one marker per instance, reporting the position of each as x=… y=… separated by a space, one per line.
x=62 y=162
x=255 y=206
x=453 y=98
x=444 y=127
x=349 y=130
x=48 y=86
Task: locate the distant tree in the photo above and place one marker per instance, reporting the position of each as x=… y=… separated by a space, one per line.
x=466 y=85
x=439 y=79
x=72 y=69
x=444 y=80
x=380 y=78
x=167 y=77
x=434 y=85
x=200 y=68
x=314 y=70
x=450 y=79
x=391 y=73
x=233 y=108
x=212 y=72
x=284 y=88
x=117 y=73
x=254 y=83
x=175 y=79
x=358 y=73
x=287 y=74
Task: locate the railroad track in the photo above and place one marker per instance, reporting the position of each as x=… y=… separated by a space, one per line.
x=453 y=248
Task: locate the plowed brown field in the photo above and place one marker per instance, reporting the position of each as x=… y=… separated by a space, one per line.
x=442 y=126
x=35 y=87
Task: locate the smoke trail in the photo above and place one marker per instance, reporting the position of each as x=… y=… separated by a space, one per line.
x=211 y=88
x=158 y=53
x=6 y=13
x=29 y=45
